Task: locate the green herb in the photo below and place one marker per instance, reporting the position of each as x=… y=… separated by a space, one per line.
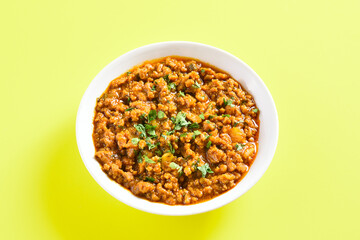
x=148 y=160
x=129 y=109
x=152 y=115
x=175 y=166
x=166 y=77
x=139 y=158
x=172 y=150
x=170 y=132
x=202 y=116
x=150 y=130
x=143 y=116
x=183 y=134
x=196 y=133
x=129 y=100
x=161 y=114
x=255 y=110
x=207 y=137
x=135 y=141
x=120 y=126
x=181 y=94
x=150 y=179
x=128 y=73
x=173 y=120
x=164 y=136
x=225 y=115
x=196 y=85
x=237 y=123
x=208 y=144
x=211 y=116
x=204 y=169
x=155 y=82
x=202 y=70
x=171 y=86
x=228 y=102
x=193 y=125
x=149 y=144
x=158 y=152
x=239 y=146
x=207 y=121
x=168 y=101
x=180 y=121
x=153 y=88
x=140 y=128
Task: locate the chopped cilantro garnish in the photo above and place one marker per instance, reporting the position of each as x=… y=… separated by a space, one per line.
x=128 y=73
x=204 y=169
x=153 y=88
x=196 y=85
x=208 y=144
x=255 y=110
x=152 y=115
x=175 y=166
x=196 y=133
x=166 y=77
x=180 y=121
x=225 y=115
x=135 y=141
x=202 y=70
x=181 y=94
x=170 y=132
x=211 y=116
x=158 y=152
x=140 y=128
x=239 y=146
x=150 y=179
x=129 y=109
x=171 y=86
x=149 y=144
x=150 y=130
x=228 y=102
x=148 y=160
x=139 y=157
x=172 y=150
x=183 y=134
x=161 y=114
x=237 y=122
x=193 y=125
x=207 y=137
x=202 y=116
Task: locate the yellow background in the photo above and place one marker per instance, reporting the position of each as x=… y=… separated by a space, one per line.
x=307 y=53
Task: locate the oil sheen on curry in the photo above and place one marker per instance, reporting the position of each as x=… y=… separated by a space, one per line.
x=176 y=130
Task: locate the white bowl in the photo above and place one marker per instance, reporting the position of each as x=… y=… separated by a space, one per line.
x=241 y=72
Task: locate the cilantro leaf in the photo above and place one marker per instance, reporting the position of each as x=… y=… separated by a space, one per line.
x=180 y=121
x=129 y=109
x=135 y=141
x=171 y=86
x=175 y=166
x=196 y=133
x=150 y=179
x=255 y=110
x=148 y=160
x=183 y=134
x=204 y=169
x=202 y=116
x=202 y=70
x=161 y=114
x=225 y=115
x=196 y=85
x=150 y=130
x=181 y=94
x=153 y=88
x=193 y=125
x=140 y=128
x=228 y=102
x=239 y=146
x=152 y=115
x=172 y=150
x=208 y=144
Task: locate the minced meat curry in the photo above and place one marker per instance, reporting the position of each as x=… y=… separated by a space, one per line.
x=176 y=130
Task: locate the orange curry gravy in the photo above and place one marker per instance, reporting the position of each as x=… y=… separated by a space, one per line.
x=176 y=130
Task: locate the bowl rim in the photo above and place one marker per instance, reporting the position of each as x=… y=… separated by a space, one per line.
x=193 y=208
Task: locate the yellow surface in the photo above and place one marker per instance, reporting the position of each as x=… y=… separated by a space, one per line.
x=307 y=53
